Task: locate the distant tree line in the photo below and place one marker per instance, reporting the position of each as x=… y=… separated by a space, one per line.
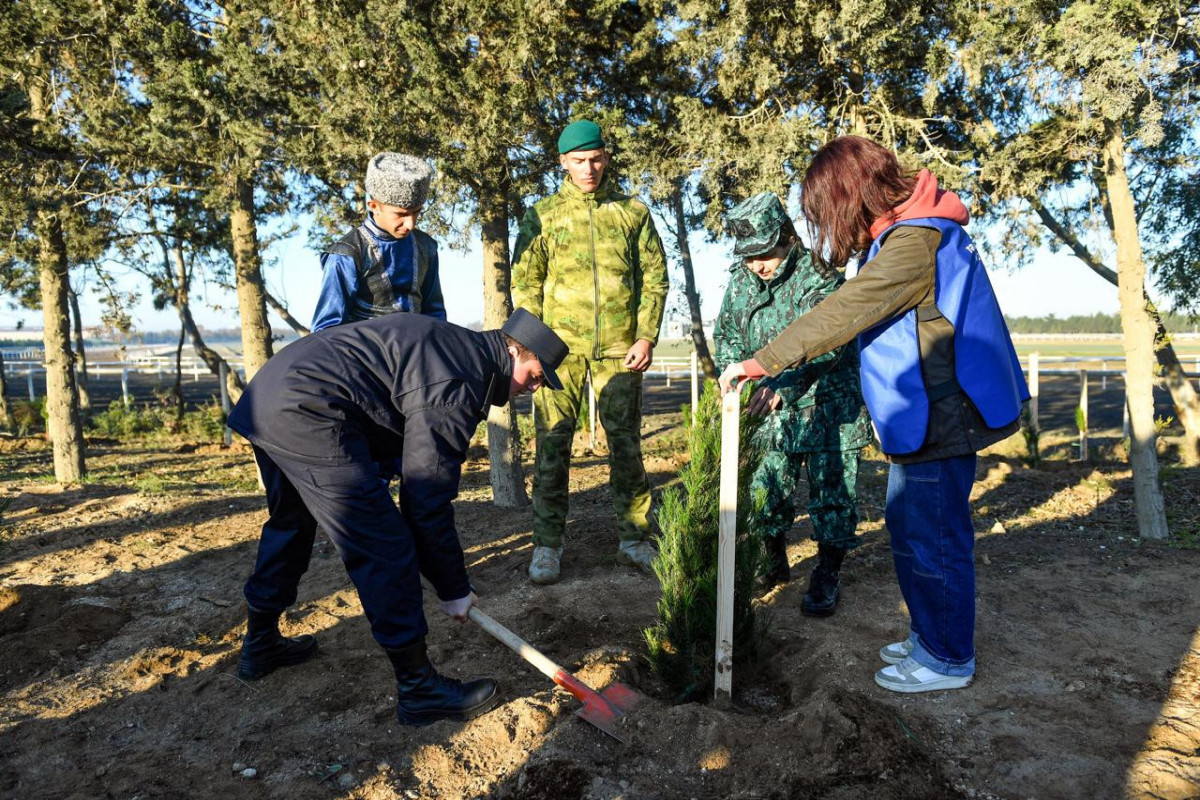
x=1095 y=323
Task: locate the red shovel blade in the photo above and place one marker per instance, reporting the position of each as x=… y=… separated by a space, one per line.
x=599 y=708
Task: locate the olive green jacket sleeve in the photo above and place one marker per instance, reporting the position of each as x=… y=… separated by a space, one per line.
x=529 y=264
x=652 y=297
x=899 y=278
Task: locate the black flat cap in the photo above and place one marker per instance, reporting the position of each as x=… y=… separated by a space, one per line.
x=541 y=341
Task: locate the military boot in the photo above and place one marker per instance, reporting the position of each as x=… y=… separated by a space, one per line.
x=778 y=570
x=825 y=585
x=423 y=696
x=265 y=650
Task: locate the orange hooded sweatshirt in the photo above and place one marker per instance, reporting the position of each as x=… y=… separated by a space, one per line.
x=927 y=200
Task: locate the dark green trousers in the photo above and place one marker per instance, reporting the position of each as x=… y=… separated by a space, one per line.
x=832 y=494
x=619 y=406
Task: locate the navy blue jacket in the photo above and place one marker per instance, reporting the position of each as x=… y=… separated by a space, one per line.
x=402 y=385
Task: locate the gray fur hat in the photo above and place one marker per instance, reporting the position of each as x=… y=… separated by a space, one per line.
x=398 y=179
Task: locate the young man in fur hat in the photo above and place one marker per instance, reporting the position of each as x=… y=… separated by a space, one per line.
x=384 y=265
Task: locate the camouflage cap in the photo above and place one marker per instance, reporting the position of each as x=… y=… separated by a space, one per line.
x=755 y=224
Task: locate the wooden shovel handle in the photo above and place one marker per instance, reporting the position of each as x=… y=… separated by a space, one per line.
x=508 y=639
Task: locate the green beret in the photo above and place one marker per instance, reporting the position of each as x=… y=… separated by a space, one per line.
x=581 y=135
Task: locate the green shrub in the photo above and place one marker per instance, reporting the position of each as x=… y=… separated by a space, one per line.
x=206 y=423
x=681 y=645
x=1032 y=436
x=119 y=421
x=28 y=417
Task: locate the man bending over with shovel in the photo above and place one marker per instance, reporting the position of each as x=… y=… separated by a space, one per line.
x=320 y=415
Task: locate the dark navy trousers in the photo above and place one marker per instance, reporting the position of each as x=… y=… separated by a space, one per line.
x=353 y=506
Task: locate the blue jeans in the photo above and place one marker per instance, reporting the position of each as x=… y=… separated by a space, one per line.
x=933 y=546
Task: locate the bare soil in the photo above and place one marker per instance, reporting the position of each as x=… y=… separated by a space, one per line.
x=121 y=618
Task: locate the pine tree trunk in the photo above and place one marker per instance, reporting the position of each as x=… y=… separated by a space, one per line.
x=504 y=439
x=1139 y=330
x=177 y=387
x=62 y=398
x=211 y=358
x=1183 y=394
x=85 y=399
x=689 y=285
x=5 y=413
x=252 y=304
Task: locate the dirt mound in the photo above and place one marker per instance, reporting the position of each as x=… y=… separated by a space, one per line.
x=51 y=626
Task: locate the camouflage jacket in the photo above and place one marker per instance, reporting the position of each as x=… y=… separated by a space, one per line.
x=591 y=266
x=822 y=406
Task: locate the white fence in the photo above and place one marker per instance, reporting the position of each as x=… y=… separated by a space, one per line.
x=668 y=368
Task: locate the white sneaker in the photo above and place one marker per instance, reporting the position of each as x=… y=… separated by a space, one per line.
x=545 y=565
x=640 y=555
x=896 y=652
x=910 y=677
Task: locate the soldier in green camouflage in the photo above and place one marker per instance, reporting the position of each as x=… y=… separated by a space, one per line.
x=821 y=421
x=588 y=262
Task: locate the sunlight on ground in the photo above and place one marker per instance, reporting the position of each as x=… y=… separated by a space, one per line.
x=719 y=757
x=497 y=546
x=1076 y=503
x=73 y=694
x=1168 y=765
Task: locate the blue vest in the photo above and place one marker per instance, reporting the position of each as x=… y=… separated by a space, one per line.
x=985 y=362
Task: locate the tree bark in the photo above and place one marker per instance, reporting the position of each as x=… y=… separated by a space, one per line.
x=1139 y=332
x=285 y=315
x=1183 y=394
x=252 y=305
x=504 y=439
x=85 y=399
x=211 y=358
x=177 y=386
x=699 y=341
x=62 y=397
x=5 y=414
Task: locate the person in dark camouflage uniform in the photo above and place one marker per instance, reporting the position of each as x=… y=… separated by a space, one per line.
x=820 y=422
x=588 y=262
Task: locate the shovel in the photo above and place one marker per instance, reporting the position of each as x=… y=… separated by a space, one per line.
x=599 y=708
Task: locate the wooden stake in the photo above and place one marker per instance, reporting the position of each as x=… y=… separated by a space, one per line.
x=727 y=529
x=695 y=385
x=1083 y=406
x=1033 y=391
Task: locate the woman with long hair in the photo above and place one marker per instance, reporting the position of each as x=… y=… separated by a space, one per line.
x=939 y=375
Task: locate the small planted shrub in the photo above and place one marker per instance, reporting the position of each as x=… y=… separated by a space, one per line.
x=681 y=645
x=1032 y=436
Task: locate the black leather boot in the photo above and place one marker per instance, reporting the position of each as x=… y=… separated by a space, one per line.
x=265 y=650
x=423 y=696
x=778 y=570
x=825 y=585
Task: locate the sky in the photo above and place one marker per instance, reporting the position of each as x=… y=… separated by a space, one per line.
x=1055 y=283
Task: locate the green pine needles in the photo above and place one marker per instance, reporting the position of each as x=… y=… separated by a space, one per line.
x=682 y=644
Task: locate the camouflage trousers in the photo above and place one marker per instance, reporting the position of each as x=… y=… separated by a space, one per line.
x=619 y=406
x=832 y=494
